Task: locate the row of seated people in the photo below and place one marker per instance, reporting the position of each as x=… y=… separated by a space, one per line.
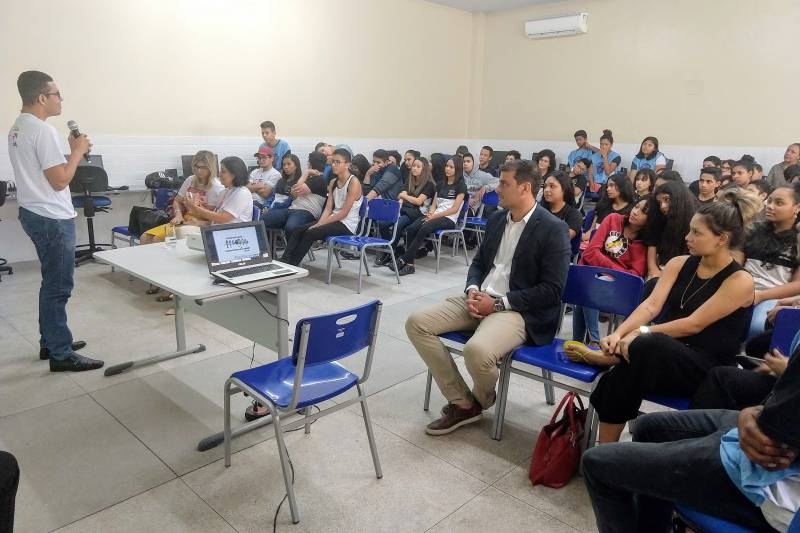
x=702 y=299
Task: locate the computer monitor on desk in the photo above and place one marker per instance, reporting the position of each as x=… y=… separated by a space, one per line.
x=94 y=161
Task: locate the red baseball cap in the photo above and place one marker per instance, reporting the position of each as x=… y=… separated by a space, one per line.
x=264 y=151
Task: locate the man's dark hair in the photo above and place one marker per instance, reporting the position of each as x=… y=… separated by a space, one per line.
x=524 y=172
x=396 y=155
x=712 y=171
x=515 y=154
x=489 y=149
x=758 y=167
x=317 y=161
x=746 y=163
x=381 y=154
x=763 y=186
x=581 y=133
x=319 y=145
x=461 y=150
x=345 y=154
x=268 y=125
x=586 y=161
x=671 y=175
x=466 y=155
x=238 y=168
x=713 y=159
x=31 y=84
x=415 y=153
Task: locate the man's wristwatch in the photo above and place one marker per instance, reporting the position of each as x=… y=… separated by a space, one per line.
x=643 y=330
x=499 y=305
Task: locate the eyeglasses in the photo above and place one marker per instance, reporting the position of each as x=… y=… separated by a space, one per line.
x=337 y=162
x=263 y=156
x=53 y=94
x=200 y=167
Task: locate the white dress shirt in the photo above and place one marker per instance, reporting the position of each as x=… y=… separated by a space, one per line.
x=496 y=282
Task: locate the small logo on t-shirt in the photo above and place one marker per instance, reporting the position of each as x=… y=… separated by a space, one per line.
x=12 y=137
x=616 y=244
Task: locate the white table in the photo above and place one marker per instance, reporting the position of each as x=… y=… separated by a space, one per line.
x=184 y=273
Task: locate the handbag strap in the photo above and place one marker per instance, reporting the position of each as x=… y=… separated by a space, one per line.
x=561 y=405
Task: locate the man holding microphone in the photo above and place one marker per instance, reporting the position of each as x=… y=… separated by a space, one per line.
x=43 y=176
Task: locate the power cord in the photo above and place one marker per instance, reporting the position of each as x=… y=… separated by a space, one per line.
x=259 y=302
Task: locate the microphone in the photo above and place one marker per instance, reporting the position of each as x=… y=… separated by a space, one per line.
x=73 y=127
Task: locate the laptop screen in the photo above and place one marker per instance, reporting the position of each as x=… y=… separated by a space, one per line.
x=235 y=244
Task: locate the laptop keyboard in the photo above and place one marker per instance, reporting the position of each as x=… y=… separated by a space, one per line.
x=252 y=270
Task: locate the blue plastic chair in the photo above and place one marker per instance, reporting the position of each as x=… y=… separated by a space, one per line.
x=378 y=210
x=787 y=325
x=256 y=213
x=610 y=291
x=587 y=220
x=703 y=523
x=477 y=224
x=310 y=376
x=457 y=233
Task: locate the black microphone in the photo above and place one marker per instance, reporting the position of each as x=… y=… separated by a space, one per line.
x=73 y=127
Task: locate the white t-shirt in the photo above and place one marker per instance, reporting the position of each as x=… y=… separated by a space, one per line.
x=33 y=147
x=266 y=177
x=238 y=202
x=211 y=196
x=782 y=501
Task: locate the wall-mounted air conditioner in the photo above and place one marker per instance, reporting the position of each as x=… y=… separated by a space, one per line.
x=557 y=26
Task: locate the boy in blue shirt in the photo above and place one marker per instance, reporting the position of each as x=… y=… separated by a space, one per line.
x=279 y=146
x=584 y=150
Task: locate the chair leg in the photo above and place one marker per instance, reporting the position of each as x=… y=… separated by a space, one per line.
x=336 y=255
x=502 y=399
x=226 y=397
x=394 y=262
x=330 y=251
x=285 y=467
x=438 y=246
x=427 y=402
x=360 y=265
x=306 y=412
x=549 y=390
x=364 y=260
x=466 y=253
x=373 y=448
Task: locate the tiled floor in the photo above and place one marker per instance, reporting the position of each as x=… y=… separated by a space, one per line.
x=118 y=454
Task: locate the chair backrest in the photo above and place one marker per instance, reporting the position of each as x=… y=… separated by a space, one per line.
x=326 y=338
x=461 y=221
x=575 y=244
x=381 y=210
x=670 y=162
x=88 y=179
x=787 y=326
x=162 y=197
x=587 y=220
x=491 y=198
x=604 y=289
x=256 y=213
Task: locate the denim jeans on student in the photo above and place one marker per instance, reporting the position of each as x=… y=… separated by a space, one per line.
x=287 y=219
x=55 y=245
x=385 y=228
x=583 y=319
x=674 y=458
x=760 y=317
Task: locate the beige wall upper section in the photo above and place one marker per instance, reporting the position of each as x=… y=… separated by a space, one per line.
x=710 y=72
x=364 y=68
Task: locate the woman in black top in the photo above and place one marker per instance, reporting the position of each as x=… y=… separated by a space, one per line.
x=705 y=299
x=643 y=184
x=558 y=197
x=617 y=197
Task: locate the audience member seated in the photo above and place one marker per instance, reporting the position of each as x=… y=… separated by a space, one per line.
x=726 y=168
x=478 y=183
x=648 y=157
x=604 y=162
x=443 y=214
x=671 y=209
x=202 y=186
x=667 y=176
x=792 y=173
x=583 y=151
x=408 y=160
x=742 y=173
x=579 y=172
x=512 y=296
x=235 y=203
x=758 y=172
x=461 y=150
x=340 y=216
x=558 y=198
x=617 y=244
x=644 y=181
x=790 y=157
x=307 y=198
x=485 y=161
x=703 y=299
x=708 y=185
x=416 y=196
x=513 y=155
x=617 y=198
x=359 y=167
x=739 y=466
x=770 y=254
x=760 y=188
x=711 y=161
x=279 y=146
x=326 y=150
x=383 y=177
x=263 y=179
x=545 y=162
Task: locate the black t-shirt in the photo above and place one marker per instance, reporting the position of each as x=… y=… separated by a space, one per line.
x=413 y=211
x=315 y=183
x=572 y=217
x=446 y=196
x=579 y=181
x=604 y=209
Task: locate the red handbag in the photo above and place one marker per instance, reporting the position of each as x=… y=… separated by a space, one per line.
x=558 y=448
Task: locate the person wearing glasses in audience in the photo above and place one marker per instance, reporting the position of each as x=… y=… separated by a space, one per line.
x=341 y=213
x=512 y=296
x=235 y=203
x=263 y=179
x=43 y=176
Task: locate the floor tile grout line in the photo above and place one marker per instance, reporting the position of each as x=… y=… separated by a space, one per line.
x=536 y=508
x=207 y=504
x=458 y=508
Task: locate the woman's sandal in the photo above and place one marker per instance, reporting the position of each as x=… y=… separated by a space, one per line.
x=165 y=298
x=578 y=352
x=152 y=290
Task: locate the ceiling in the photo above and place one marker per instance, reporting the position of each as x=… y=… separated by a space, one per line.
x=488 y=5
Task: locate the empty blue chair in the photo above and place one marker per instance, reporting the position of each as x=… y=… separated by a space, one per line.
x=379 y=210
x=310 y=376
x=477 y=223
x=703 y=523
x=457 y=233
x=610 y=291
x=787 y=324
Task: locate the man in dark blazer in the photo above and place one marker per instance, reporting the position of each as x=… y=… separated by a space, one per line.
x=512 y=297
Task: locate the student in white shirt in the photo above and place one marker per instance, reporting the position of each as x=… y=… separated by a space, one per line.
x=263 y=179
x=235 y=203
x=43 y=176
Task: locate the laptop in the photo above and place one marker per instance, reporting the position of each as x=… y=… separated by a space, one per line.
x=238 y=253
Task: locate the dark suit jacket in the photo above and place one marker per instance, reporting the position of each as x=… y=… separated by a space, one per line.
x=538 y=270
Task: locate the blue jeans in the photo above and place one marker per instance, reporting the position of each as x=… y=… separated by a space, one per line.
x=287 y=219
x=385 y=228
x=55 y=245
x=674 y=458
x=583 y=319
x=760 y=317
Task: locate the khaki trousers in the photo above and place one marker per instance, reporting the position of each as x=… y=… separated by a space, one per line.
x=495 y=336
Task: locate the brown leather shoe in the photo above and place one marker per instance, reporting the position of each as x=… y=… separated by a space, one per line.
x=453 y=417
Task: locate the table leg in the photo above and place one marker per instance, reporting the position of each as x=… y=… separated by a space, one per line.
x=180 y=338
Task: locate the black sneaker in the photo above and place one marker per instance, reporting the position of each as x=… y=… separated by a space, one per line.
x=44 y=353
x=407 y=269
x=454 y=417
x=383 y=260
x=400 y=264
x=421 y=253
x=75 y=363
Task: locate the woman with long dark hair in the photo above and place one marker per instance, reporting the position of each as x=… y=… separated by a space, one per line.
x=644 y=181
x=648 y=157
x=617 y=198
x=672 y=207
x=558 y=197
x=545 y=162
